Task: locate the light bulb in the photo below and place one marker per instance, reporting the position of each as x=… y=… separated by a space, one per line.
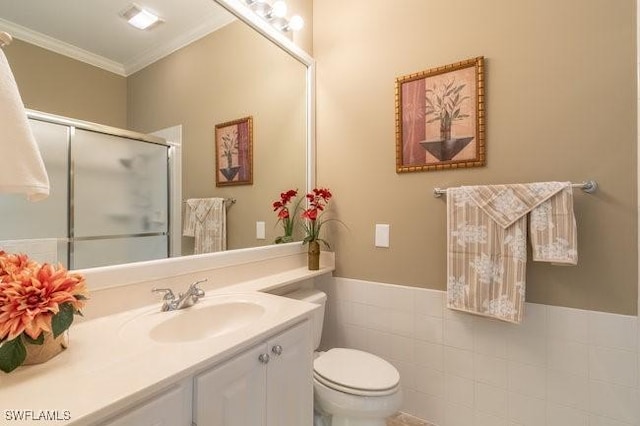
x=279 y=9
x=296 y=23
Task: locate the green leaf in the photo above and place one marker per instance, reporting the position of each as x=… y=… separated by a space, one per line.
x=80 y=297
x=62 y=320
x=12 y=354
x=38 y=341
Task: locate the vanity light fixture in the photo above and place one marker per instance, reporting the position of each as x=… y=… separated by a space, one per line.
x=275 y=14
x=140 y=18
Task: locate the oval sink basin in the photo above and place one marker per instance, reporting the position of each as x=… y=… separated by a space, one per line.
x=208 y=318
x=208 y=321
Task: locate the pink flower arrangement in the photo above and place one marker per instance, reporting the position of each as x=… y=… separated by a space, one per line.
x=34 y=299
x=285 y=216
x=318 y=199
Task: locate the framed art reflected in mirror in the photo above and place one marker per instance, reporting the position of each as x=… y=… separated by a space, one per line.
x=234 y=152
x=440 y=118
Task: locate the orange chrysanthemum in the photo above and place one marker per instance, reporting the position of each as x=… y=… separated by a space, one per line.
x=30 y=299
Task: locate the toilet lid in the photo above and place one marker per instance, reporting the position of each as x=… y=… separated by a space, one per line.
x=357 y=370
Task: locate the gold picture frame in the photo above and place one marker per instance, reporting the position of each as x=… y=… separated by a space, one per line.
x=234 y=152
x=440 y=118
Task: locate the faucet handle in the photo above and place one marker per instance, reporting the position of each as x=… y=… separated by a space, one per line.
x=197 y=291
x=168 y=293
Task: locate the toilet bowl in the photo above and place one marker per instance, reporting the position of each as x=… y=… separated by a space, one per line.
x=350 y=387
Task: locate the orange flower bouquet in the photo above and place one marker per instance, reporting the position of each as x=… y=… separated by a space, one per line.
x=37 y=302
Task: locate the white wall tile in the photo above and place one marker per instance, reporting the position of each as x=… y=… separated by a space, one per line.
x=402 y=348
x=534 y=321
x=429 y=355
x=527 y=380
x=490 y=337
x=380 y=343
x=604 y=421
x=457 y=415
x=484 y=419
x=491 y=400
x=568 y=389
x=568 y=357
x=402 y=323
x=459 y=391
x=613 y=365
x=458 y=362
x=558 y=415
x=428 y=302
x=527 y=411
x=613 y=331
x=459 y=333
x=356 y=338
x=429 y=329
x=424 y=406
x=568 y=324
x=429 y=381
x=359 y=314
x=527 y=349
x=490 y=370
x=562 y=366
x=614 y=401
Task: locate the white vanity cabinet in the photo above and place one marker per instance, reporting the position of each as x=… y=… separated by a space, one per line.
x=171 y=408
x=270 y=384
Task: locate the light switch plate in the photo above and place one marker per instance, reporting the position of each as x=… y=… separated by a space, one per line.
x=260 y=230
x=382 y=235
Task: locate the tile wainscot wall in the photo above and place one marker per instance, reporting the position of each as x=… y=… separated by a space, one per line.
x=560 y=367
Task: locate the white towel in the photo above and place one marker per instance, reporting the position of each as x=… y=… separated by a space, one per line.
x=486 y=243
x=22 y=168
x=206 y=220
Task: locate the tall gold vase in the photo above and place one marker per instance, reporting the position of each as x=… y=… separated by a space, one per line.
x=314 y=255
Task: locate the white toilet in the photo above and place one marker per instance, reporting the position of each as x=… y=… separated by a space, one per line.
x=350 y=387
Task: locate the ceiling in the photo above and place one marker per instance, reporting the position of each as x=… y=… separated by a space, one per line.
x=93 y=30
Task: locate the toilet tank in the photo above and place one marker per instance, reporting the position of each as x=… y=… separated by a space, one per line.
x=311 y=295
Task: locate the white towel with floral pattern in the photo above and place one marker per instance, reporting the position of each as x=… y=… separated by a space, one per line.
x=487 y=247
x=206 y=220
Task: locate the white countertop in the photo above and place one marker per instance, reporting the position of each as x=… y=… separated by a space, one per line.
x=108 y=367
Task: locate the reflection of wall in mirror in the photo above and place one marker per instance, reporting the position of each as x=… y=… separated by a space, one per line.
x=229 y=74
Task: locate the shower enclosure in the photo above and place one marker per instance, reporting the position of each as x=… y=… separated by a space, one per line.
x=109 y=197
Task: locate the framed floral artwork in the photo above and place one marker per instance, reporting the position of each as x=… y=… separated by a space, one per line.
x=440 y=118
x=234 y=152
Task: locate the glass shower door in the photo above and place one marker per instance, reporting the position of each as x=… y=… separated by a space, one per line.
x=120 y=200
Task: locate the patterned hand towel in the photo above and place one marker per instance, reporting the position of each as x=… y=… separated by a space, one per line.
x=486 y=245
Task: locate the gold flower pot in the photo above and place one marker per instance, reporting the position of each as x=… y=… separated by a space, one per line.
x=37 y=354
x=314 y=255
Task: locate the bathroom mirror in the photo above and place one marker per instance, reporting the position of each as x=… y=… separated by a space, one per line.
x=197 y=87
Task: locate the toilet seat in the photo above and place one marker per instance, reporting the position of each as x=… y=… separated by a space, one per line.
x=356 y=372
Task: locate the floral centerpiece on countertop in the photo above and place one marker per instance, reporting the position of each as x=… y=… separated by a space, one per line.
x=318 y=199
x=286 y=217
x=37 y=302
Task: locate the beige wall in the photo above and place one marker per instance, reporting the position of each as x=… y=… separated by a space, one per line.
x=246 y=76
x=57 y=84
x=561 y=105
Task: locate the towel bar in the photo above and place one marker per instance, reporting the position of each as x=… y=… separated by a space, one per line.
x=589 y=187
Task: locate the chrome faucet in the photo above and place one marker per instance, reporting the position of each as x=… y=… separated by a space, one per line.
x=184 y=300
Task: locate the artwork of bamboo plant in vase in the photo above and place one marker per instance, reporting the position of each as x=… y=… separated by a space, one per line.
x=230 y=147
x=444 y=104
x=440 y=118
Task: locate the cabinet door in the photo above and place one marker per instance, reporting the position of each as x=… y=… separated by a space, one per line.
x=172 y=408
x=289 y=378
x=233 y=393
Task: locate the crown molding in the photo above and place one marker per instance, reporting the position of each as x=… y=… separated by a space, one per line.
x=141 y=61
x=57 y=46
x=152 y=55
